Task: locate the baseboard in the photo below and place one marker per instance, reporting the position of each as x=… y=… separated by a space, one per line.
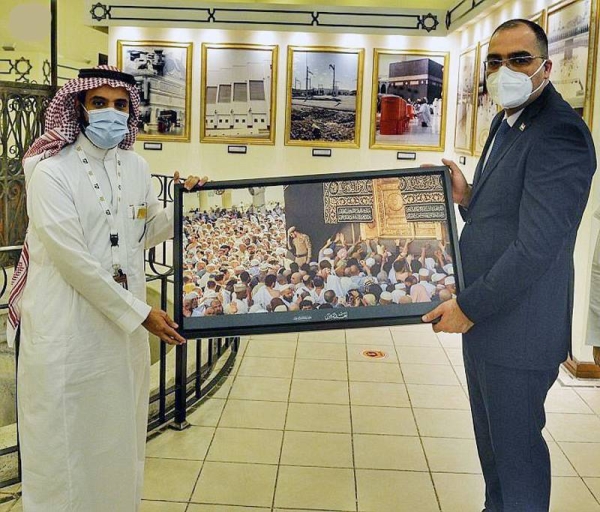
x=582 y=369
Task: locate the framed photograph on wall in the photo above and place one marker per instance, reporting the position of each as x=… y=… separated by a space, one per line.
x=465 y=102
x=485 y=107
x=572 y=38
x=324 y=94
x=377 y=248
x=162 y=71
x=238 y=98
x=539 y=18
x=407 y=105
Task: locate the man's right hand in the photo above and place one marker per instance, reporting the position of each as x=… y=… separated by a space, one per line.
x=461 y=191
x=160 y=324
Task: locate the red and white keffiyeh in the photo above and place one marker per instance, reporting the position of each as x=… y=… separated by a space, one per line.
x=62 y=127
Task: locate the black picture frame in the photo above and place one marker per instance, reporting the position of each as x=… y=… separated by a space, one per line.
x=418 y=198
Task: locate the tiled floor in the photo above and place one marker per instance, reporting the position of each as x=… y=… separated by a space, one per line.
x=307 y=423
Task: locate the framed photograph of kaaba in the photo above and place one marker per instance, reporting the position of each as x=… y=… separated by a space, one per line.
x=408 y=111
x=485 y=108
x=324 y=92
x=465 y=102
x=572 y=48
x=162 y=72
x=239 y=87
x=314 y=252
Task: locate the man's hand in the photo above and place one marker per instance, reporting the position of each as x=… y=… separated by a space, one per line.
x=191 y=181
x=159 y=323
x=461 y=191
x=452 y=319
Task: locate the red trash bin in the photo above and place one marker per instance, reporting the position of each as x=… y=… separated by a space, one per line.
x=390 y=109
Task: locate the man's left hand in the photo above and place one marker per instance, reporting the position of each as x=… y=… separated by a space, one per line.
x=191 y=182
x=452 y=319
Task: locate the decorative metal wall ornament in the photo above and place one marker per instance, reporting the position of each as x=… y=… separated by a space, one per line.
x=22 y=108
x=21 y=67
x=357 y=19
x=461 y=9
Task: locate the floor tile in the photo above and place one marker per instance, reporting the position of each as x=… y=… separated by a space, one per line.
x=422 y=355
x=594 y=485
x=260 y=388
x=317 y=449
x=455 y=356
x=369 y=372
x=221 y=390
x=208 y=413
x=224 y=508
x=383 y=420
x=320 y=370
x=162 y=506
x=319 y=391
x=389 y=452
x=560 y=464
x=191 y=443
x=561 y=400
x=317 y=350
x=415 y=339
x=379 y=394
x=373 y=335
x=584 y=457
x=329 y=336
x=451 y=455
x=246 y=445
x=444 y=423
x=318 y=418
x=270 y=348
x=460 y=492
x=266 y=367
x=283 y=337
x=579 y=428
x=571 y=494
x=591 y=397
x=437 y=397
x=227 y=483
x=429 y=374
x=328 y=489
x=170 y=480
x=395 y=491
x=450 y=340
x=355 y=353
x=254 y=414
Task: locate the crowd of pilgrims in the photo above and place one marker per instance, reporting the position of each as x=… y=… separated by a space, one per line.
x=239 y=262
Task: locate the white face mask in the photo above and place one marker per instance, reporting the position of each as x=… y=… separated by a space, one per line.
x=510 y=89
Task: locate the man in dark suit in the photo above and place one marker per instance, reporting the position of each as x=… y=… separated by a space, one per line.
x=522 y=214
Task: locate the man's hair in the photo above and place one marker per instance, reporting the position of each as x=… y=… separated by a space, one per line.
x=270 y=280
x=329 y=296
x=540 y=35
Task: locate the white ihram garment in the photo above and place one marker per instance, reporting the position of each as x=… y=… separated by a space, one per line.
x=83 y=378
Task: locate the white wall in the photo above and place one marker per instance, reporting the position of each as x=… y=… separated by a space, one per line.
x=266 y=161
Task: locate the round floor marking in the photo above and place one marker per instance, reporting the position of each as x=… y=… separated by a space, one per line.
x=374 y=354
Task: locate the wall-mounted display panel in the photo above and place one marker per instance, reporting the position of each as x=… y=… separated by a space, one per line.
x=324 y=93
x=465 y=102
x=572 y=48
x=238 y=93
x=162 y=72
x=389 y=225
x=407 y=105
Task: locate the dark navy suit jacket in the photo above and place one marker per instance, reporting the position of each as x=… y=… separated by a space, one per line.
x=518 y=241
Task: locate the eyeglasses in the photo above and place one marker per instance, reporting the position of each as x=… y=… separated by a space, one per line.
x=514 y=63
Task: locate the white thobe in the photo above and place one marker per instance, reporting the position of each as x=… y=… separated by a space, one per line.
x=84 y=362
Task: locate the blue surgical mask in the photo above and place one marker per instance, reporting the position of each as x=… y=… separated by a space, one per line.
x=107 y=127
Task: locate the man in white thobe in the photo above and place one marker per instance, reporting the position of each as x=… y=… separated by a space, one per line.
x=79 y=300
